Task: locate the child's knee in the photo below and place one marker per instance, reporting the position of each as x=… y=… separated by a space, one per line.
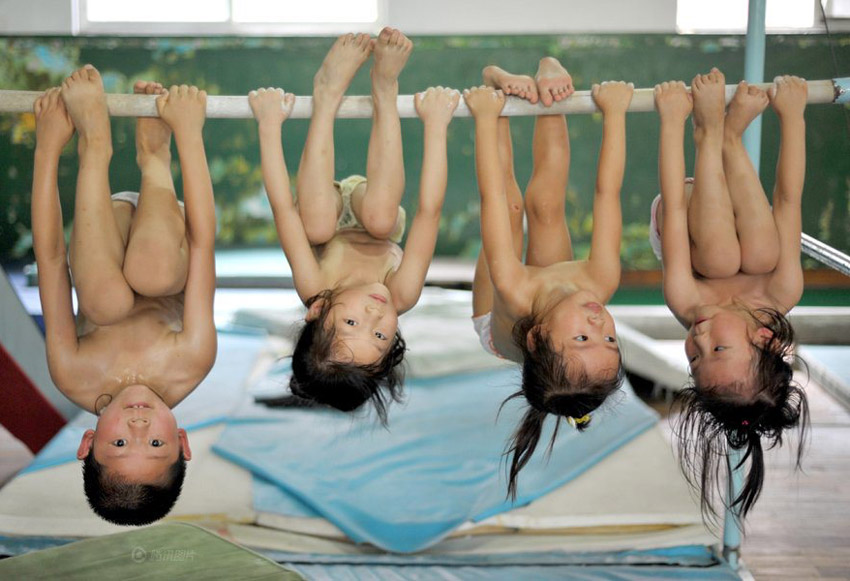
x=718 y=262
x=544 y=211
x=380 y=225
x=156 y=268
x=759 y=260
x=105 y=302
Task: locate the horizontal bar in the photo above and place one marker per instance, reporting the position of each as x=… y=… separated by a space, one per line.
x=360 y=107
x=826 y=254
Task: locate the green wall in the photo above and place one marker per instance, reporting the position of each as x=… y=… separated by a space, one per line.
x=233 y=66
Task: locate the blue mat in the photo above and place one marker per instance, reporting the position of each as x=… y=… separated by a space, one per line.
x=439 y=465
x=720 y=572
x=211 y=402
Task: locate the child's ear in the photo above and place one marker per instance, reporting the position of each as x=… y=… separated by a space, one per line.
x=315 y=310
x=86 y=444
x=184 y=444
x=531 y=339
x=763 y=336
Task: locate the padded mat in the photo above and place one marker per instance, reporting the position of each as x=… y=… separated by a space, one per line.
x=439 y=465
x=167 y=551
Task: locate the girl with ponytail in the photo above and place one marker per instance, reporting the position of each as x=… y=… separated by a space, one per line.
x=731 y=273
x=547 y=313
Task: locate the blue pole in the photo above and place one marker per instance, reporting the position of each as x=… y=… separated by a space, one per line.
x=753 y=73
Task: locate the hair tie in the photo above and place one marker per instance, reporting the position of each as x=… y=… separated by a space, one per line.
x=745 y=423
x=582 y=420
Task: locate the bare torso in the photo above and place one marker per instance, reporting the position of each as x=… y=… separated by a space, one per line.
x=547 y=286
x=143 y=348
x=749 y=290
x=353 y=257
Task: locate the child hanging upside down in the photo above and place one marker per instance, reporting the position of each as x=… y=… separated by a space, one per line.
x=144 y=274
x=341 y=239
x=548 y=313
x=731 y=273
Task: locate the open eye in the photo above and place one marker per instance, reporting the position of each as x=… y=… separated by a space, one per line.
x=720 y=348
x=157 y=443
x=350 y=322
x=380 y=336
x=610 y=339
x=119 y=443
x=580 y=337
x=692 y=359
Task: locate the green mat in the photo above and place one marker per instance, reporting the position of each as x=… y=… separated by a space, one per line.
x=166 y=551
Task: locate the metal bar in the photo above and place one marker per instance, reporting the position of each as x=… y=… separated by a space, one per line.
x=826 y=254
x=360 y=107
x=753 y=73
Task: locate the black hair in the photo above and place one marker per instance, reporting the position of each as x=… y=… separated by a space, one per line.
x=551 y=385
x=718 y=418
x=318 y=380
x=131 y=503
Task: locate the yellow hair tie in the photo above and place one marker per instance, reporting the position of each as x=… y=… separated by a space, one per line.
x=582 y=420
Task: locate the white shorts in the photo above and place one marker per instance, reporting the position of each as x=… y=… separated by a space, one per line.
x=654 y=233
x=485 y=334
x=132 y=198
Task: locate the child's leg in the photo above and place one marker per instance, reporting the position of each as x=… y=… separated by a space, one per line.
x=157 y=259
x=482 y=285
x=548 y=238
x=319 y=203
x=97 y=243
x=757 y=234
x=376 y=204
x=715 y=252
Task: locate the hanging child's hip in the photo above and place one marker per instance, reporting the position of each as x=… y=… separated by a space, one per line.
x=348 y=219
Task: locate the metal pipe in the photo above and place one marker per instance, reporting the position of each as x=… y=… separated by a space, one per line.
x=360 y=107
x=753 y=73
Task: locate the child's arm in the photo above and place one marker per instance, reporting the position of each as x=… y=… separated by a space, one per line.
x=435 y=107
x=271 y=108
x=613 y=99
x=788 y=97
x=184 y=109
x=674 y=104
x=53 y=130
x=506 y=270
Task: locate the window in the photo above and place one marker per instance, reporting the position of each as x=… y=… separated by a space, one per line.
x=243 y=17
x=731 y=15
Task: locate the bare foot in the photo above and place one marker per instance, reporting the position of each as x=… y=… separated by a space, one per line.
x=521 y=86
x=745 y=106
x=153 y=135
x=341 y=63
x=83 y=95
x=709 y=93
x=53 y=127
x=392 y=48
x=554 y=83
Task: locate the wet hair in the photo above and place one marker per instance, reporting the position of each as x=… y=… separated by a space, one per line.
x=551 y=385
x=716 y=419
x=318 y=380
x=131 y=503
